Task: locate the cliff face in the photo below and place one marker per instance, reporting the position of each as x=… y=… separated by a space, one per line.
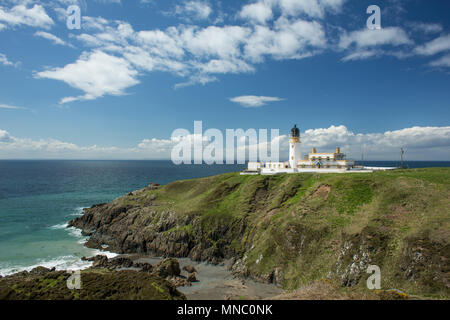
x=293 y=229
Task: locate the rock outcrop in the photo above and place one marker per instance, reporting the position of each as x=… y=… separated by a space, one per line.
x=96 y=284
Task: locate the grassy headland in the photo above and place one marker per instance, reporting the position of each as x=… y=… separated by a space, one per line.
x=294 y=229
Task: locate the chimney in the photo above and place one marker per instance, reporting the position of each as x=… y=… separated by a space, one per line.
x=314 y=150
x=338 y=150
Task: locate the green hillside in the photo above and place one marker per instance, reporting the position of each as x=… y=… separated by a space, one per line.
x=294 y=229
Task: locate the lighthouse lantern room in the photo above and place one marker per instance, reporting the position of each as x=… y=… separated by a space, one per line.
x=294 y=147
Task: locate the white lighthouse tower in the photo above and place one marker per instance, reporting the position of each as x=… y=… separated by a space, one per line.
x=294 y=147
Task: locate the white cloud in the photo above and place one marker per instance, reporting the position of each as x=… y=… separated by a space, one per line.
x=51 y=37
x=5 y=137
x=198 y=54
x=362 y=55
x=421 y=143
x=35 y=16
x=288 y=40
x=311 y=8
x=259 y=12
x=196 y=9
x=254 y=101
x=4 y=61
x=393 y=36
x=425 y=27
x=95 y=73
x=435 y=46
x=225 y=66
x=94 y=23
x=10 y=107
x=441 y=62
x=161 y=43
x=223 y=42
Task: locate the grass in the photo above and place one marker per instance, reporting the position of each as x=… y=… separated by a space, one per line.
x=300 y=223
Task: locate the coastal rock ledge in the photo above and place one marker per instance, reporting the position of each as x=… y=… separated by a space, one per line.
x=292 y=230
x=95 y=284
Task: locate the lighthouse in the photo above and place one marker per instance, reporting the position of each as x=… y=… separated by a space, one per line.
x=294 y=147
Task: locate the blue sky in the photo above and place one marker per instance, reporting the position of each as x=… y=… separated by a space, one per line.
x=137 y=70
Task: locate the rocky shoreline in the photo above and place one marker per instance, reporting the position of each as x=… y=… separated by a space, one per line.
x=108 y=279
x=314 y=235
x=289 y=230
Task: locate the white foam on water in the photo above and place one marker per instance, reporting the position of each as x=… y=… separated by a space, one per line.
x=61 y=263
x=82 y=240
x=78 y=211
x=109 y=254
x=59 y=226
x=75 y=232
x=66 y=262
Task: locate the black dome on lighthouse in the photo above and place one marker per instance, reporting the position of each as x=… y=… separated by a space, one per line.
x=295 y=132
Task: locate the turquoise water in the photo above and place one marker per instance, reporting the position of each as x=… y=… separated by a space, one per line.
x=38 y=198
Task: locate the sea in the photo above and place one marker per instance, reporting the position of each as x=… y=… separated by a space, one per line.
x=39 y=197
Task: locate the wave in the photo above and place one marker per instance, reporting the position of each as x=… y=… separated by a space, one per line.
x=60 y=263
x=59 y=226
x=78 y=211
x=65 y=262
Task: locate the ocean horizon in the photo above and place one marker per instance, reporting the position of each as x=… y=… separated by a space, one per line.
x=39 y=197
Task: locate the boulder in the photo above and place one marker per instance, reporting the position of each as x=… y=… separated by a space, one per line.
x=189 y=269
x=191 y=277
x=120 y=262
x=40 y=271
x=168 y=268
x=100 y=261
x=144 y=266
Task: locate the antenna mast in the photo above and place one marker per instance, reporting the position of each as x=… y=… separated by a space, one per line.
x=402 y=152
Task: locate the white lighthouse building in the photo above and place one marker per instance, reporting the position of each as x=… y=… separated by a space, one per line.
x=295 y=153
x=330 y=162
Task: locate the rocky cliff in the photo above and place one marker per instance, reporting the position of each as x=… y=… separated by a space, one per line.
x=293 y=229
x=97 y=283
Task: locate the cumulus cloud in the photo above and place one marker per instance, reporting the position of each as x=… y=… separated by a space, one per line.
x=18 y=15
x=364 y=44
x=23 y=148
x=5 y=137
x=254 y=101
x=259 y=12
x=277 y=29
x=95 y=73
x=421 y=143
x=287 y=40
x=393 y=36
x=195 y=9
x=311 y=8
x=195 y=53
